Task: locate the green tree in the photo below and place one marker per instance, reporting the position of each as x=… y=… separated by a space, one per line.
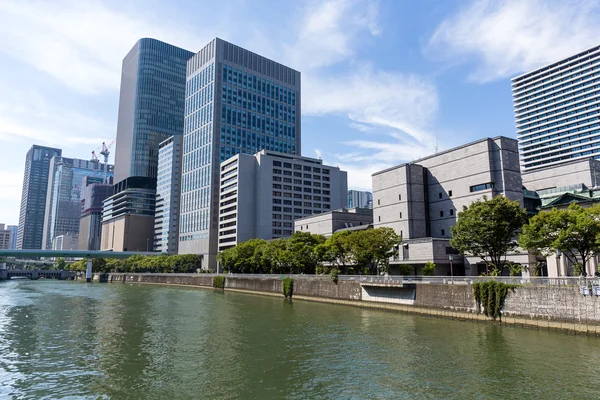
x=372 y=248
x=60 y=263
x=487 y=229
x=574 y=231
x=429 y=268
x=335 y=250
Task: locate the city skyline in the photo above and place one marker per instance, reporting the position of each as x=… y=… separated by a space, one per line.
x=372 y=85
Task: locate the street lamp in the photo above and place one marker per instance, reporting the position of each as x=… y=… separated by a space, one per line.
x=450 y=258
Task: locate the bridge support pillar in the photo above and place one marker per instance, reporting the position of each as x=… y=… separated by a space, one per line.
x=88 y=271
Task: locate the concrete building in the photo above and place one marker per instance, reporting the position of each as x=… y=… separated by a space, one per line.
x=14 y=230
x=68 y=241
x=5 y=235
x=128 y=216
x=33 y=196
x=327 y=223
x=168 y=190
x=262 y=194
x=66 y=182
x=151 y=109
x=360 y=199
x=584 y=171
x=90 y=223
x=420 y=199
x=236 y=102
x=557 y=109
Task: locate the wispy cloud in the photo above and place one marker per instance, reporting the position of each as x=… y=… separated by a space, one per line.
x=81 y=44
x=510 y=37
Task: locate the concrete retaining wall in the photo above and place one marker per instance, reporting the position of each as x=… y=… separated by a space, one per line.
x=550 y=307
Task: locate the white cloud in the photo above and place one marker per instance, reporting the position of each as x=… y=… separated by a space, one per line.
x=81 y=44
x=514 y=36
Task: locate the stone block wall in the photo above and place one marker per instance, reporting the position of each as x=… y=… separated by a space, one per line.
x=453 y=297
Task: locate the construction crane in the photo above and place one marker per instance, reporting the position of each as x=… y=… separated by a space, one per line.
x=105 y=152
x=94 y=158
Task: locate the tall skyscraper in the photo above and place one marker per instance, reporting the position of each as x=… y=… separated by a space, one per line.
x=66 y=181
x=557 y=109
x=151 y=105
x=236 y=102
x=33 y=196
x=14 y=231
x=151 y=109
x=168 y=190
x=359 y=199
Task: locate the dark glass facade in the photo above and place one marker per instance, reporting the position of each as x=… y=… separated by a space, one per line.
x=33 y=196
x=151 y=105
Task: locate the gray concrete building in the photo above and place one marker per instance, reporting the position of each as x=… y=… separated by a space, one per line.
x=261 y=195
x=327 y=223
x=420 y=200
x=168 y=191
x=557 y=109
x=583 y=171
x=5 y=235
x=236 y=102
x=66 y=182
x=33 y=196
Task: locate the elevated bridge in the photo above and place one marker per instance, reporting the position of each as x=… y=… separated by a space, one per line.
x=36 y=253
x=36 y=274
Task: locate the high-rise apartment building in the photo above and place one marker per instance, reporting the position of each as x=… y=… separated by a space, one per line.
x=14 y=230
x=33 y=196
x=151 y=105
x=5 y=234
x=151 y=109
x=66 y=182
x=557 y=108
x=261 y=195
x=90 y=224
x=236 y=102
x=360 y=199
x=168 y=190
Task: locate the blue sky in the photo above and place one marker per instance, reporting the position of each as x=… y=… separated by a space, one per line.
x=383 y=82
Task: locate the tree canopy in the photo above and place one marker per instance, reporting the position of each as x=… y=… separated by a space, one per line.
x=488 y=229
x=574 y=231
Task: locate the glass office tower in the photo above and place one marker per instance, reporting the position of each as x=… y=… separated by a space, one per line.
x=33 y=196
x=236 y=102
x=66 y=183
x=360 y=199
x=557 y=109
x=151 y=105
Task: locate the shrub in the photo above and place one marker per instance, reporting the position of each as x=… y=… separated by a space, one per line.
x=406 y=269
x=429 y=268
x=334 y=274
x=491 y=295
x=218 y=282
x=288 y=287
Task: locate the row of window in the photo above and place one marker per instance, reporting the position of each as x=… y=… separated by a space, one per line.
x=297 y=210
x=248 y=81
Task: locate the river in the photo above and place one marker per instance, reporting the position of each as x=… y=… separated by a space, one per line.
x=117 y=341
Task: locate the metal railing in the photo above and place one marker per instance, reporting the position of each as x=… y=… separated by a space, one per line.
x=400 y=279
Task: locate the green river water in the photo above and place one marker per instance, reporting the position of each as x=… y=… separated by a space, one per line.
x=117 y=341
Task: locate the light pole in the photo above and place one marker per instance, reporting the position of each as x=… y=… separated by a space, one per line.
x=450 y=258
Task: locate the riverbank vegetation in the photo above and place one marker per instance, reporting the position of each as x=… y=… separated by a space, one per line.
x=346 y=252
x=179 y=263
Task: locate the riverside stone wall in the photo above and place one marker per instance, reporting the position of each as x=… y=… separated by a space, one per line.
x=554 y=307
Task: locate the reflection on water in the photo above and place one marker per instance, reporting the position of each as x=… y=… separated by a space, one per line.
x=68 y=339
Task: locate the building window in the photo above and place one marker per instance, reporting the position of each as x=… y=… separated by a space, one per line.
x=287 y=165
x=276 y=171
x=441 y=213
x=443 y=232
x=378 y=202
x=440 y=195
x=400 y=215
x=296 y=166
x=483 y=186
x=379 y=218
x=451 y=211
x=399 y=197
x=276 y=163
x=449 y=193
